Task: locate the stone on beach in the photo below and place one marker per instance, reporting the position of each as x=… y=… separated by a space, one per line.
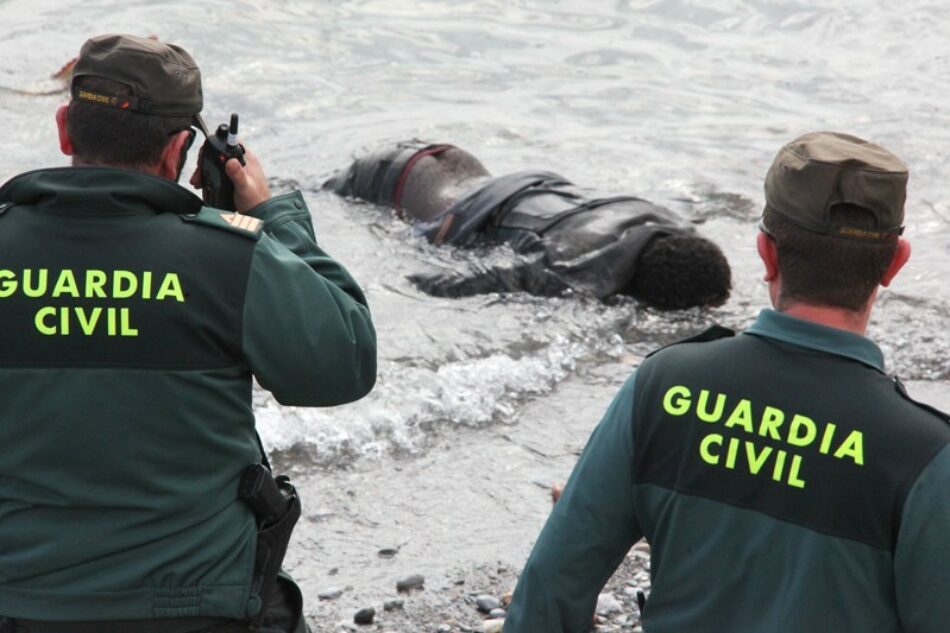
x=330 y=594
x=608 y=604
x=365 y=615
x=494 y=626
x=408 y=583
x=486 y=603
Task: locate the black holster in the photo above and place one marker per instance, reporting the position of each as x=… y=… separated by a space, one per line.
x=276 y=506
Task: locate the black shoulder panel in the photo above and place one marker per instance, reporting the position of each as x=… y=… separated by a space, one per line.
x=816 y=440
x=712 y=333
x=136 y=291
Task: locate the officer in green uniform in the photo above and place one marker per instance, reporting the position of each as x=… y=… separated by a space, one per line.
x=134 y=319
x=784 y=482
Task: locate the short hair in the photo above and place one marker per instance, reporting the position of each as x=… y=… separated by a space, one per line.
x=675 y=272
x=828 y=271
x=110 y=136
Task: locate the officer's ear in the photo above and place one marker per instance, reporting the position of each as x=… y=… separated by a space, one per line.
x=65 y=145
x=900 y=258
x=768 y=253
x=174 y=154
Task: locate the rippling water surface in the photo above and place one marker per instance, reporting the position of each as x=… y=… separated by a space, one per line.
x=684 y=102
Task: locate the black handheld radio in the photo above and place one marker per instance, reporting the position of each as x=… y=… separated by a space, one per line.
x=217 y=190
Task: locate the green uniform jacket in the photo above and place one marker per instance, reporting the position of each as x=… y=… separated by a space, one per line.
x=784 y=482
x=133 y=320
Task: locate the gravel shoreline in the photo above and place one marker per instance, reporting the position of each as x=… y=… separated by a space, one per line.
x=460 y=605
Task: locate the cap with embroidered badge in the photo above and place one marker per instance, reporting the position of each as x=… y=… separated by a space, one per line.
x=163 y=78
x=820 y=170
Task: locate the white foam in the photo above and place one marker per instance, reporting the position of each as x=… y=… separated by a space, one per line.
x=412 y=405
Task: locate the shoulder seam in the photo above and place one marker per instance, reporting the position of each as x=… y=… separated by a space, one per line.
x=713 y=333
x=902 y=391
x=243 y=225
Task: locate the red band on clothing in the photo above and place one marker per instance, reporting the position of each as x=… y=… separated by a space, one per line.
x=433 y=150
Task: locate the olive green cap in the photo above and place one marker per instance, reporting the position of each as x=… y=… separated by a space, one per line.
x=164 y=79
x=819 y=170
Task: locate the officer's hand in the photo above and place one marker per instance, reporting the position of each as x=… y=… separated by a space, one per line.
x=250 y=184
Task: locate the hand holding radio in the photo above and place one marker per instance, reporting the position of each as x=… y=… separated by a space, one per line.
x=229 y=176
x=250 y=183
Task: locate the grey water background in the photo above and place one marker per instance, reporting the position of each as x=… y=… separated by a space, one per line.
x=482 y=401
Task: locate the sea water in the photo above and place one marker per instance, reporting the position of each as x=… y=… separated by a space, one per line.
x=683 y=102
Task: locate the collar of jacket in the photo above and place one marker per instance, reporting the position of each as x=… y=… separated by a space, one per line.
x=783 y=327
x=98 y=190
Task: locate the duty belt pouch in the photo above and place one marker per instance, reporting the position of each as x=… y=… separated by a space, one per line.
x=276 y=505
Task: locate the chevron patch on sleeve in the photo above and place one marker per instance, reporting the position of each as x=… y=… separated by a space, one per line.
x=240 y=221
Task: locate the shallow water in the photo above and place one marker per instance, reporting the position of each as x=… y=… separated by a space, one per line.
x=679 y=101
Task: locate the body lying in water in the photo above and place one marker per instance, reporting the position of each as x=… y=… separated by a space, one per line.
x=564 y=239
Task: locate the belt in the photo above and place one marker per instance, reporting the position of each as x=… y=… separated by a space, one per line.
x=160 y=625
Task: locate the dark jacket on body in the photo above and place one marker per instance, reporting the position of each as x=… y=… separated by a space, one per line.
x=565 y=239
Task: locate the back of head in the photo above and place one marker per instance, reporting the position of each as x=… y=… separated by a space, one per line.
x=129 y=95
x=822 y=270
x=681 y=271
x=834 y=208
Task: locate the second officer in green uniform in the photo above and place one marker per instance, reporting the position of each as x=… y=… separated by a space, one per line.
x=784 y=482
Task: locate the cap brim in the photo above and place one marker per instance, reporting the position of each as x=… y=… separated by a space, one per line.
x=200 y=124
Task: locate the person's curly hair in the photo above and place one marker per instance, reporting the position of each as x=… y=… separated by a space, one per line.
x=681 y=271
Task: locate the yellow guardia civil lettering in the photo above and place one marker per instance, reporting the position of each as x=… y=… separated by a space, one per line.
x=764 y=421
x=87 y=320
